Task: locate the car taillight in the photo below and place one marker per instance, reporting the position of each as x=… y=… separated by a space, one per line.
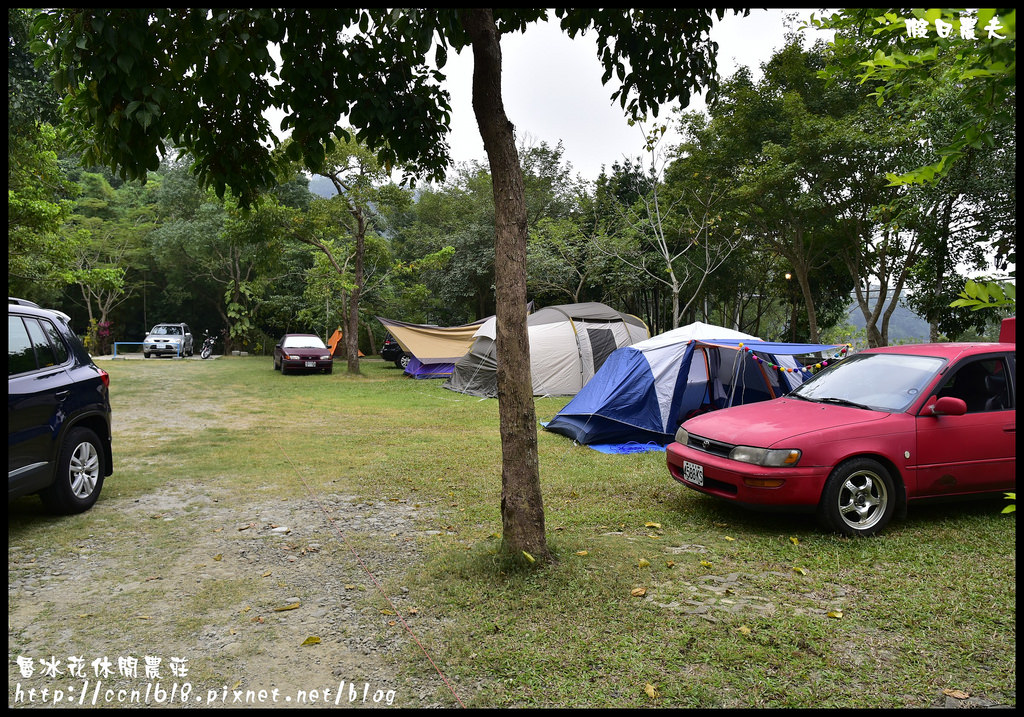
x=104 y=377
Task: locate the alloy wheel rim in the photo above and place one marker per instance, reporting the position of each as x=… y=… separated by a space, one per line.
x=84 y=469
x=862 y=500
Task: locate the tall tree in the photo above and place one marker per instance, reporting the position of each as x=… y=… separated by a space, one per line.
x=910 y=58
x=131 y=82
x=112 y=225
x=362 y=185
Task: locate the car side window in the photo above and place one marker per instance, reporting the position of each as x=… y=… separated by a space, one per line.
x=45 y=354
x=21 y=356
x=981 y=383
x=59 y=349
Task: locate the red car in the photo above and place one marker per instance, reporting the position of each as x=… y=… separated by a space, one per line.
x=860 y=440
x=302 y=352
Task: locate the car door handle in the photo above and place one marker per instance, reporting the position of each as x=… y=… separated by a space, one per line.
x=61 y=395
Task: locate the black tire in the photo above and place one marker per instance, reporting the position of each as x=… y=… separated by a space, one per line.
x=205 y=353
x=403 y=361
x=284 y=371
x=145 y=355
x=859 y=498
x=80 y=472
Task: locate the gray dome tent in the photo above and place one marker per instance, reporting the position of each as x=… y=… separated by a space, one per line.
x=568 y=344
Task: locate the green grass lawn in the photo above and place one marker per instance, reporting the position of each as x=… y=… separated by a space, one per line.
x=659 y=596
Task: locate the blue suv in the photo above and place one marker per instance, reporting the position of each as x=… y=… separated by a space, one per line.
x=58 y=412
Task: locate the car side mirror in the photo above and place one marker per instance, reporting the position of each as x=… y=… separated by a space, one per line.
x=947 y=406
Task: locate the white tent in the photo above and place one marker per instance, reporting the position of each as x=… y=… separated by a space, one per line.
x=568 y=344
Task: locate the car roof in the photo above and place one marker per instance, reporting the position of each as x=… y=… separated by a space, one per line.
x=31 y=308
x=948 y=351
x=21 y=302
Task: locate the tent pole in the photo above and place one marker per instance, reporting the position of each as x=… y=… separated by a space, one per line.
x=735 y=377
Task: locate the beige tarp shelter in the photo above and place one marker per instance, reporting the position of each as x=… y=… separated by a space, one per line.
x=435 y=349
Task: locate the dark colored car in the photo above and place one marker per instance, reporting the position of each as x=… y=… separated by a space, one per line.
x=859 y=441
x=168 y=340
x=58 y=412
x=302 y=352
x=391 y=350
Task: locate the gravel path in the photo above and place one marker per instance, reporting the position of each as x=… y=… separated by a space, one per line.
x=246 y=588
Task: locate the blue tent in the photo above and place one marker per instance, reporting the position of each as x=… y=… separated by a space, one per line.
x=644 y=391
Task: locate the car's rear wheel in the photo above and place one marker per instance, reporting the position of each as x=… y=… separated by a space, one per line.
x=80 y=472
x=859 y=498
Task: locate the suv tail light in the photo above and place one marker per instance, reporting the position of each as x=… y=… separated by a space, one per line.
x=104 y=377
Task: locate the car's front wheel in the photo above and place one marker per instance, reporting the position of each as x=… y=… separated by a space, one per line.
x=859 y=498
x=403 y=362
x=80 y=472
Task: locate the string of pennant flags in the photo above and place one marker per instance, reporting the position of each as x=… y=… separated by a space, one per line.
x=785 y=369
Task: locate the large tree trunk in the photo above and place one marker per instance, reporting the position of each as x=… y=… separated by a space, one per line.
x=522 y=510
x=351 y=333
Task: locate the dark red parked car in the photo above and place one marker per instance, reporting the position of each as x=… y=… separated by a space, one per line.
x=302 y=352
x=860 y=440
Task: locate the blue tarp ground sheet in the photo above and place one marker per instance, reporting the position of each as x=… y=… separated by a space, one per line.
x=623 y=448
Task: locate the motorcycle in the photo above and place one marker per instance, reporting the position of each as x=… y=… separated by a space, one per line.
x=207 y=349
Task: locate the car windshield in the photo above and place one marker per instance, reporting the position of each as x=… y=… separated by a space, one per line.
x=879 y=382
x=166 y=331
x=303 y=342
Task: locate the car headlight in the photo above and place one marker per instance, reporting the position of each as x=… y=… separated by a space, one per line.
x=682 y=436
x=770 y=457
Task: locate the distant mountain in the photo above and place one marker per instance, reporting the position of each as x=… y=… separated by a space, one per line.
x=904 y=325
x=321 y=186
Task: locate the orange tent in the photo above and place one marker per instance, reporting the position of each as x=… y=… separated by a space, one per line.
x=335 y=343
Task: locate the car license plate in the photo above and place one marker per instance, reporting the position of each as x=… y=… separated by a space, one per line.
x=311 y=364
x=693 y=472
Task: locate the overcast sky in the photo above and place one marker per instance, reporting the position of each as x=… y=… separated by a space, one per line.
x=552 y=89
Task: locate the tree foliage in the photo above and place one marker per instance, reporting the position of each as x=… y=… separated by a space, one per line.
x=903 y=53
